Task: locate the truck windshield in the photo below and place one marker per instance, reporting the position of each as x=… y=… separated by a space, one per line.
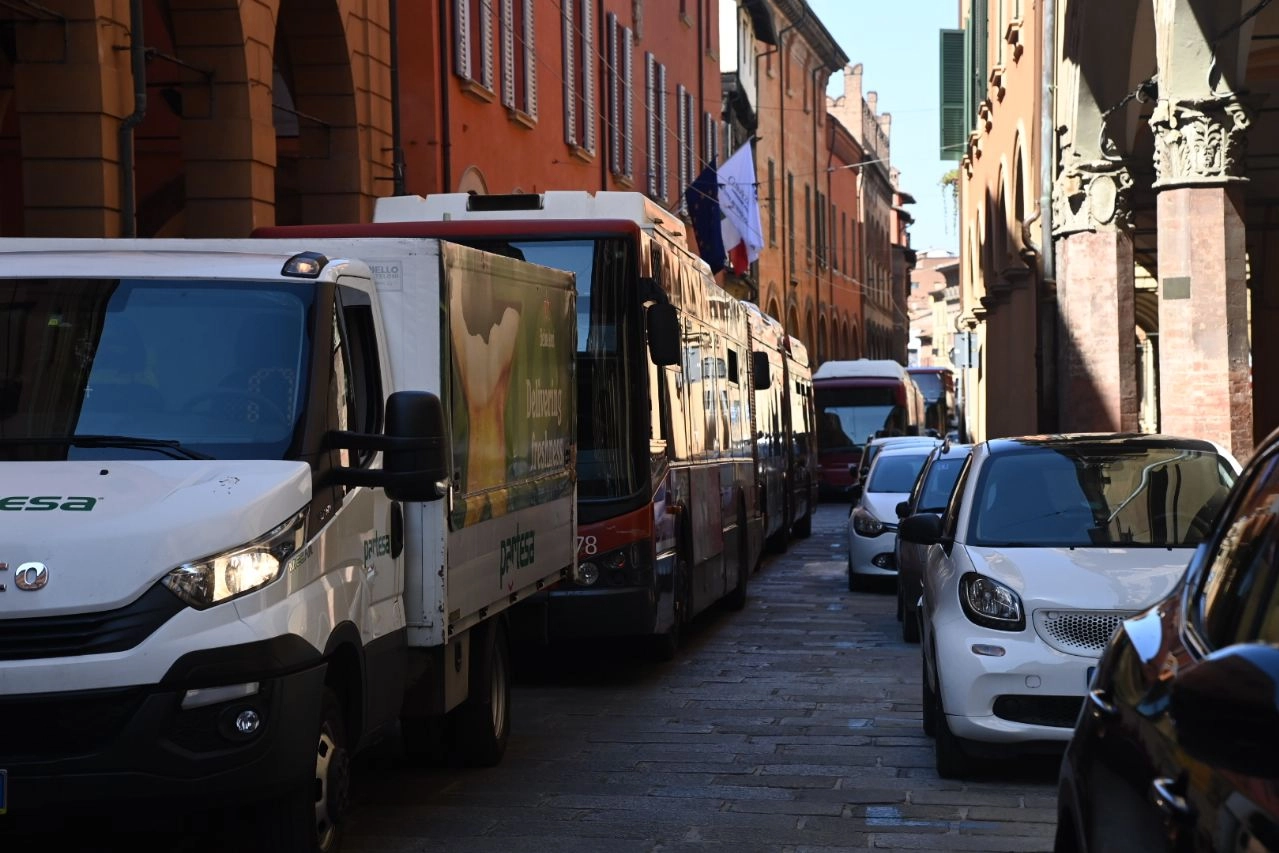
x=609 y=389
x=146 y=369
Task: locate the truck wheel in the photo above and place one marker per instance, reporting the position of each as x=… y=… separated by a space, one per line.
x=310 y=820
x=481 y=725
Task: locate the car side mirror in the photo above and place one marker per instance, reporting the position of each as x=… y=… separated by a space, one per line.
x=903 y=509
x=923 y=528
x=1226 y=709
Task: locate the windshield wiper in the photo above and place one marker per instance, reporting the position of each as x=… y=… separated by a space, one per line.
x=167 y=446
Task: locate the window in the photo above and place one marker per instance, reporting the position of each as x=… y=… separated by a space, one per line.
x=519 y=63
x=710 y=135
x=808 y=223
x=365 y=378
x=655 y=103
x=579 y=75
x=473 y=41
x=820 y=225
x=1239 y=600
x=790 y=218
x=621 y=97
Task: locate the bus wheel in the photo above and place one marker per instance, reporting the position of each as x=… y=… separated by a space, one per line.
x=666 y=645
x=482 y=724
x=737 y=597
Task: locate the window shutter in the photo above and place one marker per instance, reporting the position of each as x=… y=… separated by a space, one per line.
x=628 y=104
x=611 y=29
x=682 y=131
x=486 y=45
x=462 y=38
x=650 y=126
x=530 y=62
x=663 y=133
x=588 y=76
x=954 y=121
x=508 y=53
x=570 y=75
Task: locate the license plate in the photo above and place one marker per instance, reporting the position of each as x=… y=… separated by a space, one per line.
x=1088 y=680
x=4 y=791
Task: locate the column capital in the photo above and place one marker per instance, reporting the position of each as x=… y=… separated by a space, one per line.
x=1200 y=142
x=1091 y=195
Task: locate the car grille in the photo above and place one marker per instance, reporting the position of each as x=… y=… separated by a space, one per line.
x=1078 y=632
x=88 y=633
x=1059 y=711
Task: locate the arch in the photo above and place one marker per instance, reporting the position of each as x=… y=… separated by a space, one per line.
x=472 y=181
x=324 y=157
x=228 y=154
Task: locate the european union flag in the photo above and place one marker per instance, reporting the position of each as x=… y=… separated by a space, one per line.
x=702 y=198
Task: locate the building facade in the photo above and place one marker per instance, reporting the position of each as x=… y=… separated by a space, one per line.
x=1145 y=307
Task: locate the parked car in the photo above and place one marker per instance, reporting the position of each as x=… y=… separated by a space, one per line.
x=931 y=493
x=872 y=523
x=1177 y=747
x=1047 y=545
x=874 y=445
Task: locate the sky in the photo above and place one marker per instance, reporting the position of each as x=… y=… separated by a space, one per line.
x=897 y=44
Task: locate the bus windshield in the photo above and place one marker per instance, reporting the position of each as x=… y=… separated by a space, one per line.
x=609 y=389
x=847 y=417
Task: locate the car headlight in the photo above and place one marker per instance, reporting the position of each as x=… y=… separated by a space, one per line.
x=865 y=522
x=213 y=580
x=990 y=603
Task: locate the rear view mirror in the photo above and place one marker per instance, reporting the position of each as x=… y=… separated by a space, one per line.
x=923 y=528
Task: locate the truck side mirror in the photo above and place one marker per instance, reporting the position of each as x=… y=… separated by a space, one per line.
x=663 y=334
x=760 y=369
x=417 y=469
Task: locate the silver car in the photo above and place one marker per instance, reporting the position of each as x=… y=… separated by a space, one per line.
x=872 y=523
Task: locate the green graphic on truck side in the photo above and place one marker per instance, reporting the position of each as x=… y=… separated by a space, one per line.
x=510 y=350
x=517 y=552
x=47 y=503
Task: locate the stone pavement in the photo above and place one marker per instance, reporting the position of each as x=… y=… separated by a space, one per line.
x=788 y=727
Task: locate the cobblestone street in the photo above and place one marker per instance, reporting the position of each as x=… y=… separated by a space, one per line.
x=793 y=725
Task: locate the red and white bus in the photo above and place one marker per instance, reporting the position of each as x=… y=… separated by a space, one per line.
x=856 y=401
x=784 y=418
x=668 y=518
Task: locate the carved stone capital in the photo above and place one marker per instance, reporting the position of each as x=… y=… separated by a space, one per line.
x=1201 y=142
x=1091 y=195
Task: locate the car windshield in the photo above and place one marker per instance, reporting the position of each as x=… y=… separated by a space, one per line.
x=896 y=472
x=1099 y=495
x=940 y=482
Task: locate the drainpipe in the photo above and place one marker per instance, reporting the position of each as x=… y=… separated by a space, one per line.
x=446 y=165
x=397 y=151
x=138 y=60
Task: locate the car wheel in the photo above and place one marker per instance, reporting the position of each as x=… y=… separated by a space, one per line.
x=930 y=702
x=952 y=761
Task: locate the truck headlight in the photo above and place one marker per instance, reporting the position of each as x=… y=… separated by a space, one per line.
x=221 y=577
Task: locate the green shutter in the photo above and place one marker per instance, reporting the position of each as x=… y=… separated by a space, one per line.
x=980 y=25
x=954 y=89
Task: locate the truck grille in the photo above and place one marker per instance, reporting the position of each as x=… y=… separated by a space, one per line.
x=1078 y=632
x=88 y=633
x=61 y=724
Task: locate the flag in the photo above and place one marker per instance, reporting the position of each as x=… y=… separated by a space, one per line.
x=702 y=197
x=742 y=232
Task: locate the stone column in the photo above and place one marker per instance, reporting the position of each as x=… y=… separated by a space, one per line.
x=1097 y=390
x=1204 y=373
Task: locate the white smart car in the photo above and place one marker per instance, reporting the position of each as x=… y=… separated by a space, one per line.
x=1047 y=545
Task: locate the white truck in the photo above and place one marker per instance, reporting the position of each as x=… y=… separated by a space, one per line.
x=261 y=502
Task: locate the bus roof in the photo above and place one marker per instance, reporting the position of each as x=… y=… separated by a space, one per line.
x=862 y=368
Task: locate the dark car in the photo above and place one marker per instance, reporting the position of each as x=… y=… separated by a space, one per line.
x=1177 y=747
x=931 y=493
